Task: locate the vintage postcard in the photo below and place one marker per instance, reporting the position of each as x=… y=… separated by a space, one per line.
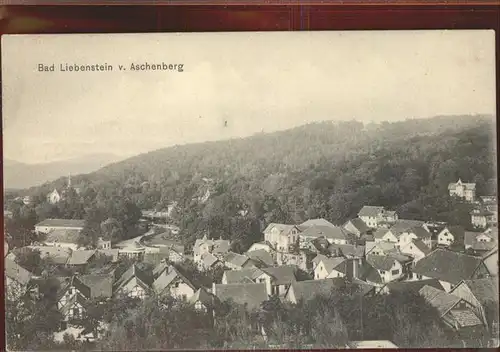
x=250 y=190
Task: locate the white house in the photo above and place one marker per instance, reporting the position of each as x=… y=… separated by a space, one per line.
x=330 y=268
x=133 y=283
x=53 y=197
x=218 y=248
x=281 y=236
x=415 y=233
x=171 y=282
x=417 y=249
x=333 y=234
x=371 y=215
x=388 y=268
x=463 y=190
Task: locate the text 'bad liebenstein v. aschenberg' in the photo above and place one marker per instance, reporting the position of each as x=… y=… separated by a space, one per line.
x=146 y=66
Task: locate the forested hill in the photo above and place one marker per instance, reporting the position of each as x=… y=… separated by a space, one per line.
x=322 y=169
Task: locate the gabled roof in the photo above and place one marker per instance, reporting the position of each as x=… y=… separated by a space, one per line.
x=359 y=224
x=76 y=282
x=439 y=299
x=447 y=266
x=261 y=255
x=160 y=268
x=282 y=275
x=100 y=285
x=61 y=223
x=80 y=257
x=457 y=231
x=221 y=246
x=371 y=211
x=243 y=275
x=56 y=255
x=208 y=259
x=349 y=250
x=63 y=236
x=413 y=286
x=334 y=263
x=283 y=228
x=319 y=258
x=317 y=222
x=252 y=295
x=383 y=245
x=306 y=290
x=328 y=232
x=380 y=262
x=421 y=246
x=369 y=273
x=132 y=272
x=465 y=317
x=236 y=259
x=453 y=186
x=380 y=233
x=471 y=239
x=485 y=290
x=402 y=225
x=69 y=304
x=420 y=232
x=165 y=279
x=16 y=272
x=207 y=299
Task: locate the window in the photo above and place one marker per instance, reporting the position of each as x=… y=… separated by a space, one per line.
x=395 y=272
x=76 y=312
x=382 y=272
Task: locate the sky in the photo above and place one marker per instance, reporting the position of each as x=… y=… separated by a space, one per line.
x=256 y=82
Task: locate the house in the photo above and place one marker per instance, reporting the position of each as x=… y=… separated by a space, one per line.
x=415 y=233
x=383 y=234
x=281 y=236
x=480 y=242
x=217 y=247
x=250 y=295
x=175 y=256
x=133 y=250
x=17 y=279
x=101 y=285
x=388 y=269
x=54 y=197
x=302 y=258
x=67 y=238
x=317 y=259
x=315 y=222
x=417 y=249
x=80 y=258
x=203 y=301
x=372 y=344
x=463 y=190
x=450 y=268
x=400 y=227
x=490 y=260
x=410 y=286
x=208 y=261
x=380 y=248
x=484 y=216
x=333 y=234
x=371 y=215
x=103 y=244
x=480 y=294
x=133 y=283
x=307 y=290
x=171 y=282
x=237 y=261
x=72 y=298
x=49 y=225
x=330 y=268
x=450 y=234
x=277 y=279
x=316 y=245
x=356 y=227
x=453 y=310
x=261 y=257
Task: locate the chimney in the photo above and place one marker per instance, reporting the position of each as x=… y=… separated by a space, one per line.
x=213 y=288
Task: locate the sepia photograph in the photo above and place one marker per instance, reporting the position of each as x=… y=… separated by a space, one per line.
x=250 y=190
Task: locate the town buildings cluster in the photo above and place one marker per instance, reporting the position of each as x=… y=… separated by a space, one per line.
x=377 y=251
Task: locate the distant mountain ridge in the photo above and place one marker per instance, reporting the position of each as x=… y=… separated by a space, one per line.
x=18 y=175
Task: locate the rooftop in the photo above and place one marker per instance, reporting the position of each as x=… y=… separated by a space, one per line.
x=62 y=223
x=252 y=295
x=371 y=211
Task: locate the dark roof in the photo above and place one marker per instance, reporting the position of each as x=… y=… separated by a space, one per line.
x=80 y=257
x=76 y=282
x=485 y=290
x=402 y=225
x=16 y=272
x=470 y=239
x=100 y=285
x=369 y=273
x=261 y=255
x=421 y=246
x=439 y=299
x=242 y=276
x=236 y=259
x=447 y=266
x=252 y=295
x=380 y=233
x=63 y=236
x=359 y=224
x=412 y=286
x=420 y=232
x=306 y=290
x=207 y=299
x=61 y=223
x=380 y=262
x=131 y=272
x=349 y=250
x=282 y=275
x=371 y=211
